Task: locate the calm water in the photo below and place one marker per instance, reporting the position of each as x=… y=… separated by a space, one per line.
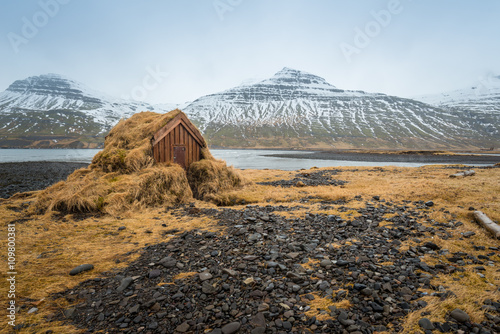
x=244 y=159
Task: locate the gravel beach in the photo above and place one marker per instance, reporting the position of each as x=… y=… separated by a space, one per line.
x=28 y=176
x=266 y=273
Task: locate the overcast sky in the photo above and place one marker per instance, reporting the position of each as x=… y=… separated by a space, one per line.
x=126 y=48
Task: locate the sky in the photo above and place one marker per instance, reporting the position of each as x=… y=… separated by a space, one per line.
x=163 y=51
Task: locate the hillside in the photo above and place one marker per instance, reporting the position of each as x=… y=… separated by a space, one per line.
x=52 y=111
x=294 y=109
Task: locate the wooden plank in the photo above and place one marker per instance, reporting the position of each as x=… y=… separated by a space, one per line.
x=168 y=148
x=160 y=148
x=190 y=148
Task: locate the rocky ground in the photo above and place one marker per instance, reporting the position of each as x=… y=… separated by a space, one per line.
x=302 y=179
x=28 y=176
x=270 y=270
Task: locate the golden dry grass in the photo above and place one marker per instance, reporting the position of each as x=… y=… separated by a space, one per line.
x=319 y=306
x=51 y=246
x=184 y=275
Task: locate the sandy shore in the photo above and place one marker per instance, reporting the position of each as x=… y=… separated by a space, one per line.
x=28 y=176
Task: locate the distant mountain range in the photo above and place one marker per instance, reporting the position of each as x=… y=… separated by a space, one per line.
x=53 y=111
x=480 y=103
x=292 y=109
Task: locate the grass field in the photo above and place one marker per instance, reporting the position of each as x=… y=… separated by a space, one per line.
x=49 y=246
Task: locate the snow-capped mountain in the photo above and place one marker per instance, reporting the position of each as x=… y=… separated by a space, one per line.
x=50 y=110
x=298 y=109
x=480 y=101
x=292 y=109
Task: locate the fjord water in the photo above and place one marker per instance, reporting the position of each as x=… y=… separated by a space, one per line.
x=244 y=159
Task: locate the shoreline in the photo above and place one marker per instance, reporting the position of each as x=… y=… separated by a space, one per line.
x=17 y=177
x=390 y=157
x=37 y=175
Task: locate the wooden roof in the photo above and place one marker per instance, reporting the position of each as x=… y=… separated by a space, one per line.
x=181 y=118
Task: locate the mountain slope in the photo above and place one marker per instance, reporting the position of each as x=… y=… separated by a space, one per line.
x=480 y=102
x=53 y=111
x=295 y=109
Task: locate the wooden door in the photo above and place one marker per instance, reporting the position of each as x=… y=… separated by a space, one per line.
x=180 y=155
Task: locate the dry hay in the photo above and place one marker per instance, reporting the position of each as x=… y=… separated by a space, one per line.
x=210 y=178
x=128 y=147
x=125 y=176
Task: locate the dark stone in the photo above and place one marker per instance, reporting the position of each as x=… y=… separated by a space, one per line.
x=459 y=315
x=168 y=262
x=232 y=327
x=432 y=246
x=154 y=273
x=80 y=269
x=125 y=283
x=426 y=324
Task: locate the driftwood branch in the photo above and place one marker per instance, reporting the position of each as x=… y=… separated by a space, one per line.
x=463 y=174
x=487 y=223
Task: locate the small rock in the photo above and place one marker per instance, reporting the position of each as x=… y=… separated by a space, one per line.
x=231 y=328
x=263 y=307
x=429 y=203
x=259 y=320
x=69 y=312
x=469 y=234
x=426 y=324
x=249 y=281
x=325 y=263
x=459 y=315
x=432 y=246
x=125 y=283
x=254 y=237
x=168 y=262
x=205 y=276
x=183 y=328
x=154 y=273
x=80 y=269
x=230 y=272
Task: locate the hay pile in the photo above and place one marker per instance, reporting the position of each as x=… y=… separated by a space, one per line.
x=124 y=175
x=209 y=178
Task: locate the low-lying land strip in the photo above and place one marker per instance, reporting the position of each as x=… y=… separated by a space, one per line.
x=384 y=156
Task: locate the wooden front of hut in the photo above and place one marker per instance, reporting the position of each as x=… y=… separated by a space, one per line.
x=179 y=141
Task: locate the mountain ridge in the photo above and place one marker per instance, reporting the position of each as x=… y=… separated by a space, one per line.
x=291 y=109
x=296 y=109
x=53 y=111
